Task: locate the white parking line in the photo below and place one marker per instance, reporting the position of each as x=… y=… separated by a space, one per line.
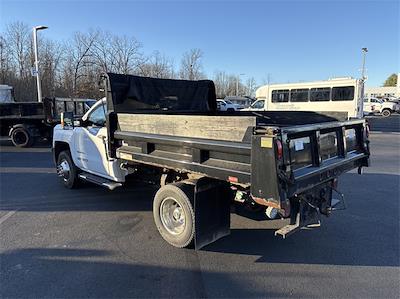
x=6 y=216
x=381 y=132
x=27 y=170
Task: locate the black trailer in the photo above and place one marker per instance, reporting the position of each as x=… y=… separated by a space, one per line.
x=285 y=161
x=25 y=122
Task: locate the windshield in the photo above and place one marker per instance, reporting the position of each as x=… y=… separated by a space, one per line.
x=90 y=103
x=258 y=104
x=227 y=101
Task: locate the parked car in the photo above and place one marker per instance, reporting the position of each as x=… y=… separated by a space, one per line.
x=375 y=106
x=240 y=102
x=226 y=105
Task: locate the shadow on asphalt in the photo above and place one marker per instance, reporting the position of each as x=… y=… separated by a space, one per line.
x=355 y=236
x=80 y=273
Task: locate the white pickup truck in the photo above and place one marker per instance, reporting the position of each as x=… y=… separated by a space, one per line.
x=375 y=106
x=226 y=105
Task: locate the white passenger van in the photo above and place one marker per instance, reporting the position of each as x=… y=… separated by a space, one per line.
x=338 y=96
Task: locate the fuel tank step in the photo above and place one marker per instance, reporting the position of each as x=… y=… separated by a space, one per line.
x=98 y=180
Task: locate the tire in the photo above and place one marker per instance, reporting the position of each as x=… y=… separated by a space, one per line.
x=174 y=215
x=21 y=137
x=67 y=170
x=386 y=112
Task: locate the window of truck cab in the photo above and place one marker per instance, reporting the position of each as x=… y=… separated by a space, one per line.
x=98 y=116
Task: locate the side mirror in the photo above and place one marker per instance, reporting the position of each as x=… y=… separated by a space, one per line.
x=67 y=119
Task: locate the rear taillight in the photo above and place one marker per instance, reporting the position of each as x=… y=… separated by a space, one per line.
x=279 y=149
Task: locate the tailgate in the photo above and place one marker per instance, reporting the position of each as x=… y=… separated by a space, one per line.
x=318 y=153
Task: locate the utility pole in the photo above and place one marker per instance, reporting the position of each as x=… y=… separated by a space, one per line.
x=37 y=73
x=364 y=50
x=237 y=84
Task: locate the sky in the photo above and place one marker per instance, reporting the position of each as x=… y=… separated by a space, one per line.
x=285 y=41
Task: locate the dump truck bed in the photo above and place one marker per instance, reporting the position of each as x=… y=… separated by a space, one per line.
x=245 y=154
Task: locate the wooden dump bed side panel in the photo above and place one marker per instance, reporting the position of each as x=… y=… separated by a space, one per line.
x=217 y=159
x=226 y=128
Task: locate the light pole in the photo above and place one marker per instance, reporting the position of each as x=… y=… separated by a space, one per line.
x=237 y=83
x=35 y=46
x=364 y=50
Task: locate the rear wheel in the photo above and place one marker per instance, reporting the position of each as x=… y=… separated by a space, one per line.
x=20 y=137
x=386 y=112
x=174 y=215
x=67 y=170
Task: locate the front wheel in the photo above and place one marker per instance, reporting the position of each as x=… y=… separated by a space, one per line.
x=386 y=112
x=174 y=215
x=67 y=170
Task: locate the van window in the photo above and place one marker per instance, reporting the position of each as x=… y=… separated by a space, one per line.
x=280 y=95
x=299 y=95
x=345 y=93
x=320 y=94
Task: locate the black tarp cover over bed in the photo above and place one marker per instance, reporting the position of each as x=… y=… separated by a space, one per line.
x=134 y=94
x=144 y=95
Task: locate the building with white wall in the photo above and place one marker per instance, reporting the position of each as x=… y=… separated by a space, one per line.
x=385 y=91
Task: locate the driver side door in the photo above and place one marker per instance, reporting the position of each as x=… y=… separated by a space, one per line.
x=91 y=143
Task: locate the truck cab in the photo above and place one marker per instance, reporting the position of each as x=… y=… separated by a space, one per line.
x=87 y=145
x=259 y=105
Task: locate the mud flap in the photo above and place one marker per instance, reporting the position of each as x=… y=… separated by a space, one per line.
x=212 y=200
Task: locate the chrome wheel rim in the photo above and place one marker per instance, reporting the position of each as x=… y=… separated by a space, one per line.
x=63 y=170
x=172 y=216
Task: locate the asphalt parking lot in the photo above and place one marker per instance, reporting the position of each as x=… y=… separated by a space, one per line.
x=91 y=242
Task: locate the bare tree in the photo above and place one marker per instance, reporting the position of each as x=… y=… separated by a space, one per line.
x=251 y=86
x=104 y=51
x=158 y=66
x=19 y=48
x=127 y=55
x=50 y=61
x=225 y=84
x=82 y=57
x=5 y=60
x=221 y=81
x=191 y=65
x=19 y=42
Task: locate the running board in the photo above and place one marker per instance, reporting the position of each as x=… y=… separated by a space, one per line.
x=98 y=180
